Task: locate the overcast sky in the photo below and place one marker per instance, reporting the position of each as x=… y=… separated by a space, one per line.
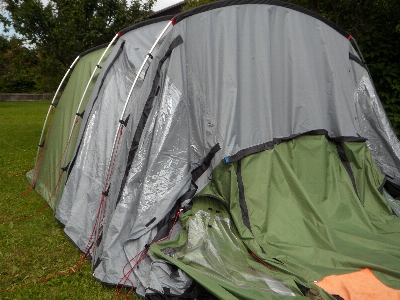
x=160 y=4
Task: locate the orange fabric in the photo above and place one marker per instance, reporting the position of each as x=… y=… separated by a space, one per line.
x=360 y=285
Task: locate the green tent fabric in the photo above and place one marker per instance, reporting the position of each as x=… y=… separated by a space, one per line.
x=211 y=252
x=49 y=166
x=310 y=207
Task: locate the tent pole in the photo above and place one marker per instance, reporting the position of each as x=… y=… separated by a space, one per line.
x=109 y=168
x=85 y=91
x=129 y=96
x=81 y=101
x=48 y=114
x=142 y=67
x=352 y=39
x=94 y=72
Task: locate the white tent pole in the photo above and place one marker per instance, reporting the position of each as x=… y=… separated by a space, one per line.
x=71 y=132
x=48 y=112
x=129 y=96
x=142 y=66
x=109 y=170
x=94 y=72
x=84 y=94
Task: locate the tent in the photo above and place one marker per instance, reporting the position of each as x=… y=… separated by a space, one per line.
x=253 y=160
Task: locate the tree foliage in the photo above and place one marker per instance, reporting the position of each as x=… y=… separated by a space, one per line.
x=375 y=24
x=189 y=4
x=17 y=65
x=62 y=29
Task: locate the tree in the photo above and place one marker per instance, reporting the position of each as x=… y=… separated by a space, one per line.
x=17 y=67
x=62 y=29
x=189 y=4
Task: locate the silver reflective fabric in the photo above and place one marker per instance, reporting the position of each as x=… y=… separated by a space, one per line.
x=207 y=249
x=83 y=191
x=160 y=171
x=394 y=204
x=374 y=124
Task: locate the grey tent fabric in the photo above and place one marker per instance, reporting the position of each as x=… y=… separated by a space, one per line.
x=106 y=271
x=87 y=173
x=238 y=74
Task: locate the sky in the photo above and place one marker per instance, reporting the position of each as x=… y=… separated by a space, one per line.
x=160 y=4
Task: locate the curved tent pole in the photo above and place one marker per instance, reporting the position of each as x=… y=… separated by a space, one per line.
x=129 y=96
x=84 y=94
x=141 y=69
x=353 y=40
x=48 y=113
x=94 y=72
x=109 y=169
x=81 y=101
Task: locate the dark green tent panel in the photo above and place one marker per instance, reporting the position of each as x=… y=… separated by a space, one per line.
x=308 y=208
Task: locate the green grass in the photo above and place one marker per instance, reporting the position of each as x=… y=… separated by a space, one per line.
x=34 y=248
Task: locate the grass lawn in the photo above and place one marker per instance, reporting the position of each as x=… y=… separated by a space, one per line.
x=34 y=248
